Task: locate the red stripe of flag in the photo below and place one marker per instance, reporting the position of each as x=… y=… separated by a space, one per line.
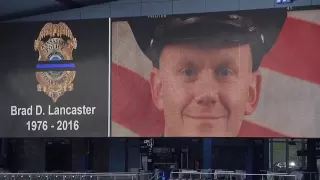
x=132 y=105
x=297 y=51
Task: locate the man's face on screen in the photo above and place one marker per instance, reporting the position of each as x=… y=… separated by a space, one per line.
x=205 y=91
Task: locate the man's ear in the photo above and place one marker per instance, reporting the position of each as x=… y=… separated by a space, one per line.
x=253 y=93
x=156 y=88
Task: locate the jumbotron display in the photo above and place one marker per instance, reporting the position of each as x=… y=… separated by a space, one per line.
x=240 y=74
x=54 y=79
x=224 y=74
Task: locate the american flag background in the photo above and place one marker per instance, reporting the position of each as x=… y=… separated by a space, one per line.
x=289 y=104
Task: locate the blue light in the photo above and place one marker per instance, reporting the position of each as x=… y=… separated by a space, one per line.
x=284 y=1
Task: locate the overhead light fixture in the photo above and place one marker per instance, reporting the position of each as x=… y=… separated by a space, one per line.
x=284 y=1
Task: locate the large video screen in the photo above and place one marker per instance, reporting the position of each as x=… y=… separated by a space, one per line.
x=227 y=74
x=54 y=79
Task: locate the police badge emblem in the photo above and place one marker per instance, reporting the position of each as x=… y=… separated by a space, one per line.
x=55 y=43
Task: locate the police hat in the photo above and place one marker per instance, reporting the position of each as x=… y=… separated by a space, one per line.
x=258 y=28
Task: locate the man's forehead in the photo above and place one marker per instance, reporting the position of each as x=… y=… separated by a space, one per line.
x=183 y=55
x=201 y=49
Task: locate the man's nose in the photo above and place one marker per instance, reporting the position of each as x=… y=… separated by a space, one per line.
x=206 y=91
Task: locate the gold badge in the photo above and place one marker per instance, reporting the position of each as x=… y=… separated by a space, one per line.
x=55 y=43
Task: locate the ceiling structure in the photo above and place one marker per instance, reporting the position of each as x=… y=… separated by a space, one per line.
x=14 y=9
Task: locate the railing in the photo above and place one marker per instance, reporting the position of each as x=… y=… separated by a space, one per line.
x=229 y=176
x=156 y=176
x=305 y=175
x=75 y=176
x=192 y=175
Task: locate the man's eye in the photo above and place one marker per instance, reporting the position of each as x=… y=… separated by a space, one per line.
x=189 y=72
x=223 y=71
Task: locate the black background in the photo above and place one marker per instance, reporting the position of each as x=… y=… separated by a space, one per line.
x=18 y=84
